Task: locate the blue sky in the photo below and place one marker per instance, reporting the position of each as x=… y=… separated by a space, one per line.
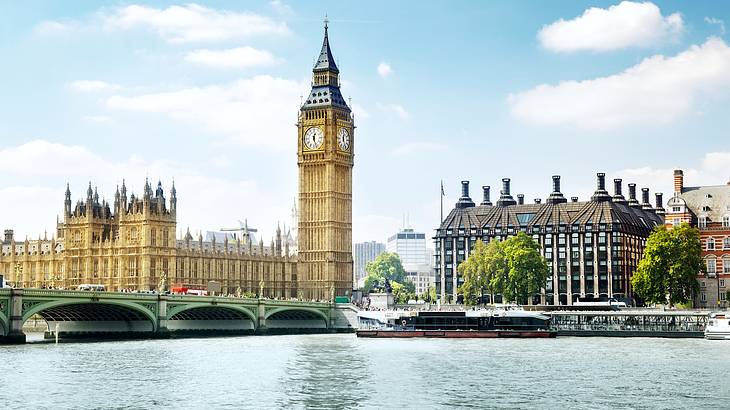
x=207 y=94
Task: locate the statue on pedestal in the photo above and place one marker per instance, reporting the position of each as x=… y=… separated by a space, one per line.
x=162 y=286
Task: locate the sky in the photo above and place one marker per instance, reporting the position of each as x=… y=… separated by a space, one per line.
x=207 y=94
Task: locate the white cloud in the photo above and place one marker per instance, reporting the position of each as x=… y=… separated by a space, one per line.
x=99 y=119
x=418 y=148
x=175 y=24
x=281 y=7
x=384 y=69
x=712 y=170
x=192 y=23
x=93 y=86
x=658 y=90
x=241 y=57
x=34 y=206
x=628 y=24
x=716 y=22
x=360 y=112
x=249 y=111
x=397 y=109
x=53 y=27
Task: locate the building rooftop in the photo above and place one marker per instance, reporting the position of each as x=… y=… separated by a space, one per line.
x=711 y=201
x=601 y=209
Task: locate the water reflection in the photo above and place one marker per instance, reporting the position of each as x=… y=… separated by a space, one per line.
x=341 y=371
x=328 y=372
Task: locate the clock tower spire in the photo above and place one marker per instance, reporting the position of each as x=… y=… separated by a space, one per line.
x=325 y=153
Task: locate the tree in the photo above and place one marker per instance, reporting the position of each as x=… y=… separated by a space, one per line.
x=513 y=267
x=668 y=271
x=479 y=271
x=386 y=266
x=402 y=293
x=527 y=270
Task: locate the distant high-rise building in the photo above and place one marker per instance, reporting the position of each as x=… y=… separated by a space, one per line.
x=365 y=252
x=415 y=257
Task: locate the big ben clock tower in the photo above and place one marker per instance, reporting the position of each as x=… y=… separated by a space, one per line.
x=325 y=152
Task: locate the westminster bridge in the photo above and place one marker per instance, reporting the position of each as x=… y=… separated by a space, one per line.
x=78 y=314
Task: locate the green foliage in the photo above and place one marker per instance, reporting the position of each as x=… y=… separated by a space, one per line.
x=387 y=266
x=527 y=270
x=431 y=296
x=481 y=270
x=513 y=268
x=668 y=271
x=402 y=293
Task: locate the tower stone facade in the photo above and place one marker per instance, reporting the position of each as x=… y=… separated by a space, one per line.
x=325 y=152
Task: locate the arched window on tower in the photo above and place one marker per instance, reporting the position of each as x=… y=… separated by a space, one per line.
x=710 y=244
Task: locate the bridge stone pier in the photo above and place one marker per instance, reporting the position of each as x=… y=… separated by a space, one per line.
x=78 y=314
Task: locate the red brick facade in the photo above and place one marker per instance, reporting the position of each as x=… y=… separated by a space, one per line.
x=707 y=208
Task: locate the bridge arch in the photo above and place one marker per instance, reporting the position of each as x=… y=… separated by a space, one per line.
x=173 y=314
x=207 y=317
x=95 y=316
x=296 y=317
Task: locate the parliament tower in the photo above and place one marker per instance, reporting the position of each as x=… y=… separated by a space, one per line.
x=325 y=151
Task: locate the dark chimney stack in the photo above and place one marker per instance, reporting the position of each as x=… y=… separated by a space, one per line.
x=486 y=200
x=618 y=196
x=465 y=201
x=8 y=235
x=645 y=205
x=659 y=206
x=556 y=197
x=505 y=199
x=632 y=196
x=520 y=199
x=538 y=200
x=601 y=194
x=573 y=199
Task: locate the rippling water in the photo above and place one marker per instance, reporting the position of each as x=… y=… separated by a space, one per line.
x=341 y=371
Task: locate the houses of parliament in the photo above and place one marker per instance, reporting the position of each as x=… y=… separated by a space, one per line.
x=131 y=244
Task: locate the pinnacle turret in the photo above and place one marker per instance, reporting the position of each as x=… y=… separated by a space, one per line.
x=89 y=193
x=326 y=62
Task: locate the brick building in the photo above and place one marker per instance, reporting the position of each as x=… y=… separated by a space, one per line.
x=707 y=208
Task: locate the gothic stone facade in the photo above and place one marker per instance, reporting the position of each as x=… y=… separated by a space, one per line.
x=325 y=152
x=593 y=247
x=133 y=245
x=708 y=209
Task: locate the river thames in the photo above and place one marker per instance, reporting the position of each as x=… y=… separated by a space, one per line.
x=341 y=371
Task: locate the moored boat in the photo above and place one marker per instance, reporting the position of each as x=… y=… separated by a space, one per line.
x=718 y=326
x=499 y=323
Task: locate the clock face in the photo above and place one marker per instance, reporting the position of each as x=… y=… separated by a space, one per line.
x=313 y=138
x=343 y=139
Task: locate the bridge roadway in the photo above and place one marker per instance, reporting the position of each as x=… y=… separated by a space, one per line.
x=80 y=314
